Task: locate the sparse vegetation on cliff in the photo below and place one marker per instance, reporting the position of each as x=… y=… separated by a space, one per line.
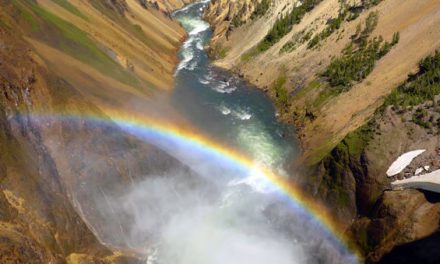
x=284 y=25
x=281 y=94
x=333 y=25
x=346 y=13
x=72 y=40
x=299 y=38
x=261 y=8
x=358 y=57
x=71 y=8
x=420 y=87
x=219 y=51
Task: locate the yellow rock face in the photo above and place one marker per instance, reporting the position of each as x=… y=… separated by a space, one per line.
x=63 y=56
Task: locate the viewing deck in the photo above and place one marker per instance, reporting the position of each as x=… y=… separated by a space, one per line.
x=428 y=182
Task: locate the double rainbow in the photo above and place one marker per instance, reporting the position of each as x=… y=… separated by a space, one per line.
x=161 y=130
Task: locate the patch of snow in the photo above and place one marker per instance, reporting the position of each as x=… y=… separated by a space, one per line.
x=426 y=168
x=418 y=171
x=403 y=161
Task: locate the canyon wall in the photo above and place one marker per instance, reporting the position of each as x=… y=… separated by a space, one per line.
x=61 y=62
x=309 y=57
x=234 y=47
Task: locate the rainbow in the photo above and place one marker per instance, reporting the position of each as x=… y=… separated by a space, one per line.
x=155 y=129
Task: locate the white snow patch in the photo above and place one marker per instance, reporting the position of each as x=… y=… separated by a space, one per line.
x=403 y=161
x=418 y=171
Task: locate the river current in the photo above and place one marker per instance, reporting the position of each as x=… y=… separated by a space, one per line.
x=222 y=105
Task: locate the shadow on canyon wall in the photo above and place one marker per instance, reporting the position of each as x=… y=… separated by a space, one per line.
x=421 y=251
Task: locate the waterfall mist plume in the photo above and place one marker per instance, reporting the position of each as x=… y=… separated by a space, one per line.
x=184 y=219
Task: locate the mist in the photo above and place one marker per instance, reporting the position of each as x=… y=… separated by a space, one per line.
x=183 y=218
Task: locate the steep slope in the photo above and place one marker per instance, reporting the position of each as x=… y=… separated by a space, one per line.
x=291 y=57
x=353 y=175
x=38 y=223
x=78 y=59
x=338 y=71
x=132 y=44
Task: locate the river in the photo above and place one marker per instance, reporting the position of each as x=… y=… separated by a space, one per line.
x=224 y=106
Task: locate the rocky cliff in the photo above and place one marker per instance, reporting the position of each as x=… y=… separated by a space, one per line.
x=333 y=69
x=61 y=58
x=168 y=5
x=302 y=48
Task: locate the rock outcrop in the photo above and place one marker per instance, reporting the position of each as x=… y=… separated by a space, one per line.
x=354 y=174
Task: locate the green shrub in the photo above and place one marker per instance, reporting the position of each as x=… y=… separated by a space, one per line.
x=69 y=7
x=419 y=118
x=333 y=25
x=358 y=57
x=284 y=25
x=261 y=9
x=73 y=41
x=347 y=13
x=236 y=21
x=288 y=47
x=396 y=38
x=355 y=64
x=299 y=38
x=280 y=91
x=370 y=23
x=420 y=87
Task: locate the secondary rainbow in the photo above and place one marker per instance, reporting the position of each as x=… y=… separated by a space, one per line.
x=174 y=132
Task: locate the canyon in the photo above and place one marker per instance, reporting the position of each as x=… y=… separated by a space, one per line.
x=98 y=58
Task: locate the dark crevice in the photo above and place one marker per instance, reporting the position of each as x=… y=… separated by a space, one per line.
x=424 y=251
x=431 y=197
